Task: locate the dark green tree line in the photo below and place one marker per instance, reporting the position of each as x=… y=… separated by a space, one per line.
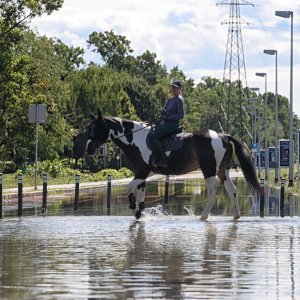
x=37 y=69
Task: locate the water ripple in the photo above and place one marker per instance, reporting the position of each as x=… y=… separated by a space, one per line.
x=161 y=257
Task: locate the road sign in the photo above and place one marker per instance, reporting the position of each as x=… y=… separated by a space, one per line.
x=284 y=153
x=272 y=158
x=262 y=158
x=37 y=113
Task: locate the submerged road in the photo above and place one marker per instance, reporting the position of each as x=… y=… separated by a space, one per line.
x=29 y=192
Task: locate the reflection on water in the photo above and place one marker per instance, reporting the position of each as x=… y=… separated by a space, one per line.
x=90 y=255
x=162 y=257
x=183 y=195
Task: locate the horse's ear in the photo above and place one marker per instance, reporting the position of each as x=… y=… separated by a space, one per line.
x=99 y=114
x=92 y=116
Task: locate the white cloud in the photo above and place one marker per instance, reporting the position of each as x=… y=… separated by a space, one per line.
x=186 y=33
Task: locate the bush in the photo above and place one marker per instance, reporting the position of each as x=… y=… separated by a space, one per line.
x=116 y=174
x=62 y=173
x=7 y=167
x=55 y=168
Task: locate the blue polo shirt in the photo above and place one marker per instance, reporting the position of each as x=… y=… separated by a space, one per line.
x=175 y=108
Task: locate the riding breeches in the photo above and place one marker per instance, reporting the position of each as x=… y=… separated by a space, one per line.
x=163 y=129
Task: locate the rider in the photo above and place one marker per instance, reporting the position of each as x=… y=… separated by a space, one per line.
x=171 y=113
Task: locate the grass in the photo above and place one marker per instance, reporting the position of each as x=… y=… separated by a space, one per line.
x=11 y=180
x=284 y=174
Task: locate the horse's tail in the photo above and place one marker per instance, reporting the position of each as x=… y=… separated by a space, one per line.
x=246 y=165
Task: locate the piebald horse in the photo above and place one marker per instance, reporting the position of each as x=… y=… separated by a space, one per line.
x=205 y=149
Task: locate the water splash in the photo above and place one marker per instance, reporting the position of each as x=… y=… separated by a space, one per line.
x=189 y=210
x=156 y=211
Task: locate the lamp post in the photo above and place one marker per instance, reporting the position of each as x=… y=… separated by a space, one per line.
x=290 y=14
x=255 y=137
x=266 y=127
x=274 y=52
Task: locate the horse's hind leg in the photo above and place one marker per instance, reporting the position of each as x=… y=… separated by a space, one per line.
x=211 y=190
x=231 y=190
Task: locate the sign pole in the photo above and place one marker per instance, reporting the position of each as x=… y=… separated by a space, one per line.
x=298 y=154
x=36 y=145
x=36 y=115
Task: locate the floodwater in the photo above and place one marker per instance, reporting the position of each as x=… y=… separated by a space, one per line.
x=165 y=256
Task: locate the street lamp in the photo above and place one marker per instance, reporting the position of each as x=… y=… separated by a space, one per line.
x=266 y=126
x=256 y=138
x=274 y=52
x=258 y=134
x=290 y=14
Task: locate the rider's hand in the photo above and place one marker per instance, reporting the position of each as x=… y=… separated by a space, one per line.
x=163 y=114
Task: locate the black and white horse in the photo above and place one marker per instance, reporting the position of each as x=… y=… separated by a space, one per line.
x=205 y=149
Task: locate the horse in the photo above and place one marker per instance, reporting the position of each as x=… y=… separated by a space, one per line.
x=208 y=150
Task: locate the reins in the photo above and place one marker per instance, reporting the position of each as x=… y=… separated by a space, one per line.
x=125 y=134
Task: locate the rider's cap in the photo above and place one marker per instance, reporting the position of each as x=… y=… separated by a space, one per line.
x=176 y=83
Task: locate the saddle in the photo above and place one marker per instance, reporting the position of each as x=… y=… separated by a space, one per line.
x=170 y=142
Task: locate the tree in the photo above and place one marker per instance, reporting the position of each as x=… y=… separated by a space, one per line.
x=113 y=48
x=142 y=97
x=71 y=57
x=38 y=79
x=149 y=68
x=101 y=87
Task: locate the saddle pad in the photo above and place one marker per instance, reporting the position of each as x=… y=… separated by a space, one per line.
x=171 y=142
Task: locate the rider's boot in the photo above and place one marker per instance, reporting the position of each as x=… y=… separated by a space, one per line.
x=162 y=162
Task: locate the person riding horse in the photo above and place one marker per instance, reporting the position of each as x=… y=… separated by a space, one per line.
x=171 y=114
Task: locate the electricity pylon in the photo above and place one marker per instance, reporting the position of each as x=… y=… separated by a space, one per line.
x=234 y=69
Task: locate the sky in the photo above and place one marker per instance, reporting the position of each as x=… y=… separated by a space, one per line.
x=188 y=34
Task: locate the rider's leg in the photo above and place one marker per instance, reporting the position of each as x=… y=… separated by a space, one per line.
x=162 y=130
x=162 y=161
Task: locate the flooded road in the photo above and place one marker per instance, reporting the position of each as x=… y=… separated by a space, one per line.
x=91 y=255
x=162 y=257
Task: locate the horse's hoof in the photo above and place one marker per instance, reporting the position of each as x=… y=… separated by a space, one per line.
x=203 y=217
x=236 y=214
x=138 y=214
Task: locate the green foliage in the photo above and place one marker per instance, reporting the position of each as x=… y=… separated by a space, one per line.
x=113 y=48
x=54 y=168
x=37 y=69
x=61 y=168
x=115 y=174
x=16 y=14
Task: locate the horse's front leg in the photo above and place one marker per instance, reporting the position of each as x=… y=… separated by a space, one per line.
x=140 y=195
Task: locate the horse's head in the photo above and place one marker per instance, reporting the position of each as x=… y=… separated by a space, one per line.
x=98 y=133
